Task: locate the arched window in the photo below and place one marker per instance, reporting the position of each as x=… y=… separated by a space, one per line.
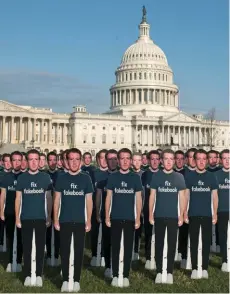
x=145 y=75
x=150 y=76
x=126 y=77
x=114 y=128
x=130 y=76
x=155 y=76
x=93 y=127
x=135 y=76
x=140 y=76
x=159 y=77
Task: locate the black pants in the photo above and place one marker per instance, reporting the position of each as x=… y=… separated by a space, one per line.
x=183 y=240
x=106 y=244
x=49 y=241
x=66 y=232
x=116 y=229
x=195 y=222
x=172 y=226
x=223 y=219
x=148 y=228
x=2 y=226
x=137 y=237
x=10 y=227
x=40 y=237
x=94 y=234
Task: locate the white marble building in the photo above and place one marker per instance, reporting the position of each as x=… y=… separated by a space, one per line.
x=144 y=113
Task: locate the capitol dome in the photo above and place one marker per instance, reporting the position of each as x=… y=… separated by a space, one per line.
x=144 y=78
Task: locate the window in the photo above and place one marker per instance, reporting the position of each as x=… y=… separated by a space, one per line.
x=114 y=128
x=122 y=140
x=122 y=129
x=103 y=128
x=44 y=124
x=155 y=76
x=126 y=77
x=135 y=76
x=145 y=75
x=159 y=76
x=93 y=140
x=130 y=77
x=163 y=77
x=166 y=78
x=93 y=127
x=140 y=76
x=223 y=133
x=36 y=124
x=37 y=137
x=84 y=139
x=104 y=139
x=114 y=140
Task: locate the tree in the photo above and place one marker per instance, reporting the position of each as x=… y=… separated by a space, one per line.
x=211 y=124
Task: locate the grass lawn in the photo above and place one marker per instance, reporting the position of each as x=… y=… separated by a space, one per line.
x=141 y=280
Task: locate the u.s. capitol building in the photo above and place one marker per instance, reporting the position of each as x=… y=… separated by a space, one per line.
x=144 y=113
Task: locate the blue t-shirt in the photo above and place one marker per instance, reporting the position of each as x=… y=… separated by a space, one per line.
x=146 y=180
x=73 y=189
x=9 y=182
x=201 y=186
x=34 y=188
x=223 y=181
x=167 y=186
x=124 y=188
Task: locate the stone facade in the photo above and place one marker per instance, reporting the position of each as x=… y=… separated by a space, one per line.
x=144 y=113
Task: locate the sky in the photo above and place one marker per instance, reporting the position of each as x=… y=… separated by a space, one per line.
x=61 y=53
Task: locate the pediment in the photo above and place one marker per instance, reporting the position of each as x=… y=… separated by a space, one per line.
x=6 y=106
x=181 y=117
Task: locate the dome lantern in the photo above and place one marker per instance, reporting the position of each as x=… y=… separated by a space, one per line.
x=144 y=27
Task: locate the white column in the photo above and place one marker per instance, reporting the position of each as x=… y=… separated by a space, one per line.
x=20 y=130
x=148 y=141
x=130 y=97
x=141 y=135
x=3 y=129
x=34 y=130
x=163 y=135
x=200 y=136
x=41 y=130
x=189 y=137
x=142 y=96
x=148 y=96
x=50 y=132
x=12 y=130
x=29 y=129
x=168 y=131
x=154 y=136
x=179 y=137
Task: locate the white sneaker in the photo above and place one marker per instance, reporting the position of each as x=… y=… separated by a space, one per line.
x=108 y=273
x=19 y=268
x=125 y=282
x=39 y=282
x=169 y=279
x=65 y=287
x=183 y=263
x=194 y=275
x=9 y=268
x=224 y=267
x=114 y=282
x=158 y=279
x=93 y=261
x=135 y=256
x=217 y=248
x=76 y=287
x=48 y=261
x=147 y=264
x=27 y=282
x=205 y=274
x=102 y=262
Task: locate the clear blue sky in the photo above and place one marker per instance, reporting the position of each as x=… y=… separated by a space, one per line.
x=60 y=53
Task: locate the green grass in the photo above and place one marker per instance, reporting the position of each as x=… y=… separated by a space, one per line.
x=141 y=280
